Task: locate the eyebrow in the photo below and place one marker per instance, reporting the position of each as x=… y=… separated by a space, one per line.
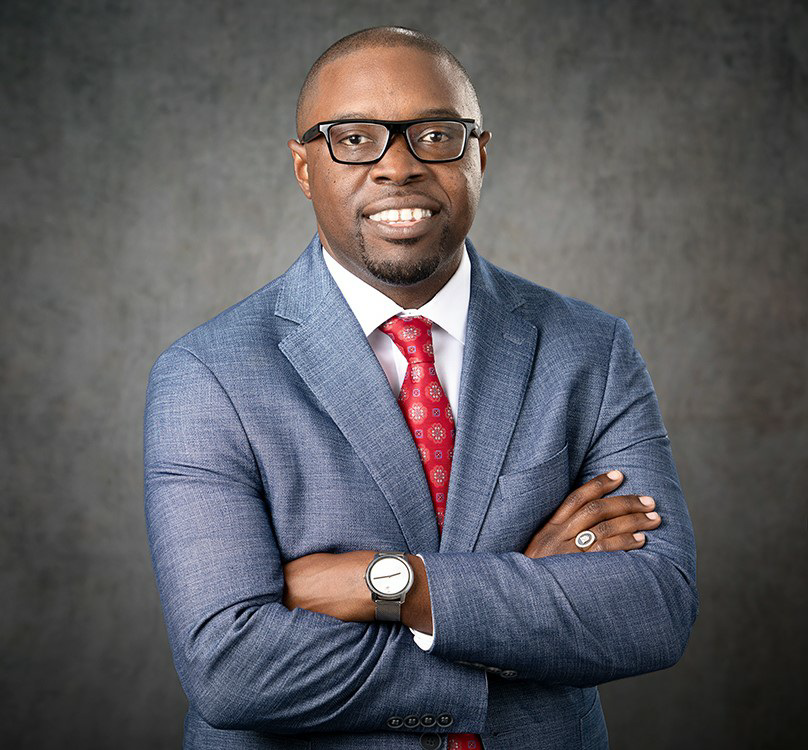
x=434 y=112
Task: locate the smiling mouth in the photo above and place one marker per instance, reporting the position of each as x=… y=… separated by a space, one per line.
x=400 y=217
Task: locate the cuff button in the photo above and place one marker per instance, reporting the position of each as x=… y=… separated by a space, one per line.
x=445 y=720
x=395 y=722
x=411 y=721
x=428 y=720
x=508 y=673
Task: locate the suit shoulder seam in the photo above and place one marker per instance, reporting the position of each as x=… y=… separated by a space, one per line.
x=227 y=396
x=605 y=383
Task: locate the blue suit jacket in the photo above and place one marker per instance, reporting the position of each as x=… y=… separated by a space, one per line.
x=271 y=432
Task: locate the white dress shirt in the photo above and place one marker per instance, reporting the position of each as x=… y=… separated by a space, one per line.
x=448 y=311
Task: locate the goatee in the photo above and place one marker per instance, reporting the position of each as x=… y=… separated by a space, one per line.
x=404 y=274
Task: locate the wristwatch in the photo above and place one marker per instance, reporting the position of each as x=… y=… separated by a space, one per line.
x=389 y=577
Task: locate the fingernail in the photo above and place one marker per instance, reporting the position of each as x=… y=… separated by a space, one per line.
x=639 y=536
x=653 y=515
x=614 y=474
x=645 y=500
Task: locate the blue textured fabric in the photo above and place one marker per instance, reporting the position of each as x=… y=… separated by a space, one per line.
x=263 y=443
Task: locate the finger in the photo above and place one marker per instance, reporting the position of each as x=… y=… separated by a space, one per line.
x=627 y=524
x=595 y=488
x=623 y=542
x=602 y=509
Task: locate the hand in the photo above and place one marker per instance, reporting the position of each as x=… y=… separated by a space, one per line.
x=617 y=522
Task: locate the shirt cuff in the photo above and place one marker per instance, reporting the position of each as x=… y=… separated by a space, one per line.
x=424 y=641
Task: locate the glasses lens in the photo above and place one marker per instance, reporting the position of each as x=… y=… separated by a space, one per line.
x=438 y=140
x=357 y=141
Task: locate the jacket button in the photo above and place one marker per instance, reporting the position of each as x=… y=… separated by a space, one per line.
x=430 y=741
x=493 y=670
x=445 y=720
x=411 y=722
x=395 y=722
x=508 y=673
x=428 y=720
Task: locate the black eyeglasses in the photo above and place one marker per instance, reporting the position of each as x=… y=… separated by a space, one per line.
x=367 y=141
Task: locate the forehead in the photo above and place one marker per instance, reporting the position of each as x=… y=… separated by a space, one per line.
x=389 y=83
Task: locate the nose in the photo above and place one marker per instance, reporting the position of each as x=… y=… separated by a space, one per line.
x=398 y=165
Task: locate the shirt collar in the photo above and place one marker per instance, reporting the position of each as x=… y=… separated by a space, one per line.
x=448 y=308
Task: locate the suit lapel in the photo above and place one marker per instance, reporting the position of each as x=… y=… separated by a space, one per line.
x=497 y=361
x=333 y=358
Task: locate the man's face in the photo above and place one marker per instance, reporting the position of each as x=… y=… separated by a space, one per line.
x=398 y=83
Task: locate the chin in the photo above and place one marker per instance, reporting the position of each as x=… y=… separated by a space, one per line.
x=413 y=265
x=402 y=274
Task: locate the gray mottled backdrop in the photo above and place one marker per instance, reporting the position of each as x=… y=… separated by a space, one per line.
x=648 y=156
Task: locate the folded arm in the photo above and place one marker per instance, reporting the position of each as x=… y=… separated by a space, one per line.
x=583 y=619
x=573 y=619
x=244 y=660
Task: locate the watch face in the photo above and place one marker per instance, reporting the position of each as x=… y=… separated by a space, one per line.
x=389 y=576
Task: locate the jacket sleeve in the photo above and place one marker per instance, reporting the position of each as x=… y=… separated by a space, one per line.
x=583 y=619
x=243 y=659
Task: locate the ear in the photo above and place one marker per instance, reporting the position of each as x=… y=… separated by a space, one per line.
x=485 y=136
x=301 y=165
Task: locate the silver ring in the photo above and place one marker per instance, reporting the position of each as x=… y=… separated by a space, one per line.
x=585 y=539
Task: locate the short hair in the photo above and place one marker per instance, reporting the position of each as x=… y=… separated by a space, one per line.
x=379 y=36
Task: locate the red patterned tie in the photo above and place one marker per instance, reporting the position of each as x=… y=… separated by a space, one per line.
x=430 y=420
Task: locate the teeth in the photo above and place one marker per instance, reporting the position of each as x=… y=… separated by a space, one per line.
x=401 y=214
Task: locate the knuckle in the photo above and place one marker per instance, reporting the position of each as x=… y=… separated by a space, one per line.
x=596 y=483
x=576 y=497
x=593 y=508
x=604 y=529
x=632 y=521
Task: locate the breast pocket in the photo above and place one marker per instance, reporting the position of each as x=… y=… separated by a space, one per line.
x=523 y=501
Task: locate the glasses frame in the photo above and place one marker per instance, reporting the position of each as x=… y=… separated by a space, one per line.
x=394 y=127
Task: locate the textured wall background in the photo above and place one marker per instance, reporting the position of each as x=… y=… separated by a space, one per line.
x=648 y=156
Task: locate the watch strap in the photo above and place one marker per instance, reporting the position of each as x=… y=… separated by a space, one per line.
x=388 y=610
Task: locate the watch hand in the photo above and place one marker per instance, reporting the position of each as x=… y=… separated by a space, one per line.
x=376 y=578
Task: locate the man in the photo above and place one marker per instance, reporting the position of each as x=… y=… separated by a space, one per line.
x=358 y=479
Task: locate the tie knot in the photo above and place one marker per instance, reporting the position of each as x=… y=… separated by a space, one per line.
x=412 y=336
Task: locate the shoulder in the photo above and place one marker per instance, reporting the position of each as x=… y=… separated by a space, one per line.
x=239 y=333
x=577 y=341
x=250 y=330
x=560 y=318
